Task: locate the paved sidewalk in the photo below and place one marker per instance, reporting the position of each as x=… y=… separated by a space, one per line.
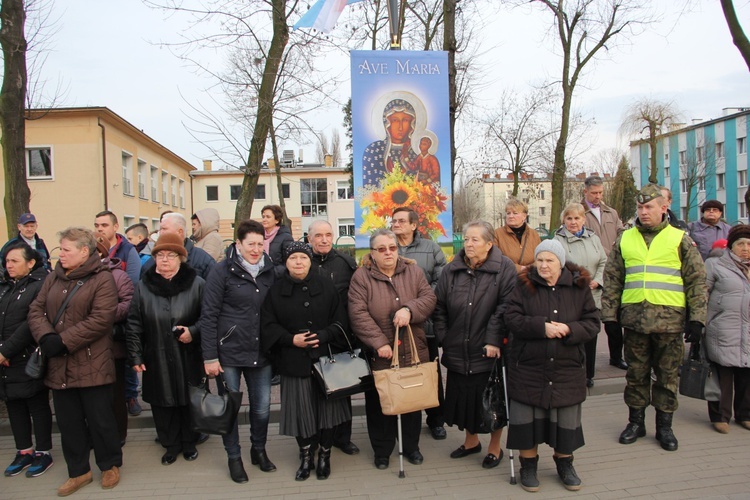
x=707 y=465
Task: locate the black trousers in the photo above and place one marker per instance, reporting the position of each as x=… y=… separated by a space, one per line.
x=615 y=344
x=85 y=417
x=119 y=405
x=383 y=429
x=735 y=395
x=590 y=349
x=173 y=428
x=435 y=416
x=21 y=412
x=342 y=433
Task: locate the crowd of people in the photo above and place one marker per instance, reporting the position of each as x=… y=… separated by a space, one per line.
x=172 y=308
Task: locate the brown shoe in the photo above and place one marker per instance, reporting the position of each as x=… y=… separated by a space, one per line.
x=721 y=427
x=110 y=478
x=74 y=484
x=745 y=424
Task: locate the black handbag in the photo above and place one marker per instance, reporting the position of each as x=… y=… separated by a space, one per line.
x=343 y=374
x=493 y=402
x=37 y=363
x=213 y=413
x=699 y=377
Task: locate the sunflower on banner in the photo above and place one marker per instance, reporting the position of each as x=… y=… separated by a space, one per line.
x=398 y=189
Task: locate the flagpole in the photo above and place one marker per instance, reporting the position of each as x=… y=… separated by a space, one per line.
x=396 y=10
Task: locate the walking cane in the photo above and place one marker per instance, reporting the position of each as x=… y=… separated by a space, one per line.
x=401 y=473
x=507 y=415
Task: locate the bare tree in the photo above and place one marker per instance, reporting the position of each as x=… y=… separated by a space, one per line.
x=697 y=165
x=649 y=118
x=583 y=29
x=467 y=202
x=735 y=29
x=517 y=131
x=322 y=148
x=336 y=147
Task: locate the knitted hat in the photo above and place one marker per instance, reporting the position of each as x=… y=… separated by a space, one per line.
x=552 y=246
x=712 y=204
x=170 y=242
x=737 y=232
x=297 y=246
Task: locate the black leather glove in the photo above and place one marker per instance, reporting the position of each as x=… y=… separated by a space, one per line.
x=693 y=332
x=612 y=328
x=52 y=345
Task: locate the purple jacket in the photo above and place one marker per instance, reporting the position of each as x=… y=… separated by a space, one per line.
x=704 y=235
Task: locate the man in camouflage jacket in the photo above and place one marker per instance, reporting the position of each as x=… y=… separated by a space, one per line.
x=653 y=339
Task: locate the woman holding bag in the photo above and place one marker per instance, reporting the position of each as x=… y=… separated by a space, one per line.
x=390 y=292
x=472 y=295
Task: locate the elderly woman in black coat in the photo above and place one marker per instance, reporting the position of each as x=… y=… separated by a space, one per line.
x=301 y=317
x=26 y=399
x=551 y=315
x=163 y=338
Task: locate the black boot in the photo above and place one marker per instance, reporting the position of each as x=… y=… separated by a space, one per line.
x=567 y=473
x=636 y=427
x=260 y=458
x=324 y=463
x=529 y=482
x=306 y=465
x=237 y=470
x=664 y=433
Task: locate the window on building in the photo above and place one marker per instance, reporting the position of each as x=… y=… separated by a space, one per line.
x=285 y=191
x=182 y=193
x=742 y=178
x=719 y=150
x=346 y=227
x=142 y=176
x=127 y=173
x=743 y=210
x=154 y=224
x=542 y=211
x=700 y=154
x=143 y=220
x=234 y=191
x=39 y=163
x=314 y=197
x=260 y=192
x=683 y=185
x=174 y=191
x=212 y=193
x=343 y=190
x=701 y=183
x=683 y=157
x=128 y=220
x=720 y=181
x=742 y=145
x=666 y=157
x=164 y=187
x=154 y=183
x=541 y=194
x=666 y=171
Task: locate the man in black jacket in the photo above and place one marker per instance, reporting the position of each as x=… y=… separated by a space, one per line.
x=339 y=267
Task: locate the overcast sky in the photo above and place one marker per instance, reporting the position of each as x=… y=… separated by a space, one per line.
x=104 y=55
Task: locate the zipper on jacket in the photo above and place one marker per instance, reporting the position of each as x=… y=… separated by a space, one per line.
x=229 y=334
x=88 y=351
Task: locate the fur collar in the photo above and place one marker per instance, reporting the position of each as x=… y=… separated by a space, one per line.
x=161 y=287
x=572 y=275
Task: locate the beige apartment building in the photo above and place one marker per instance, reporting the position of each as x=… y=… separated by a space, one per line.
x=81 y=161
x=310 y=192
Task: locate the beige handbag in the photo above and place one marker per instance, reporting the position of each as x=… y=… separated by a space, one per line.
x=409 y=388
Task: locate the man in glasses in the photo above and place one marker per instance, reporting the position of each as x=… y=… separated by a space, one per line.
x=431 y=259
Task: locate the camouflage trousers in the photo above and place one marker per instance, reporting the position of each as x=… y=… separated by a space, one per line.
x=662 y=352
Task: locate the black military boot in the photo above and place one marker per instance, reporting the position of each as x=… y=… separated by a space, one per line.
x=324 y=463
x=636 y=427
x=306 y=465
x=567 y=473
x=529 y=482
x=664 y=433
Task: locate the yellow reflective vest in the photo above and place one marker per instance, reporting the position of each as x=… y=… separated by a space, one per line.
x=653 y=273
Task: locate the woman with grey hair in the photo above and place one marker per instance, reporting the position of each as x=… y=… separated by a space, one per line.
x=472 y=295
x=584 y=248
x=386 y=294
x=80 y=367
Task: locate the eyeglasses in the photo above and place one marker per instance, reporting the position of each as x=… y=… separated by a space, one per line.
x=399 y=221
x=166 y=256
x=392 y=248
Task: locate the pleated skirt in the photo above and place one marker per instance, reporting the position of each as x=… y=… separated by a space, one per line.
x=558 y=427
x=305 y=410
x=463 y=401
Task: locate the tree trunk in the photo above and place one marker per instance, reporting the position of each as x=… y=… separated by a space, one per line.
x=12 y=102
x=738 y=35
x=652 y=141
x=264 y=115
x=559 y=169
x=277 y=169
x=449 y=45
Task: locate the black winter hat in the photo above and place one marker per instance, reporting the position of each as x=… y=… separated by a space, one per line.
x=297 y=246
x=736 y=233
x=712 y=204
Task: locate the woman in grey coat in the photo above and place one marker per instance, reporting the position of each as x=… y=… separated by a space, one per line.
x=584 y=248
x=728 y=329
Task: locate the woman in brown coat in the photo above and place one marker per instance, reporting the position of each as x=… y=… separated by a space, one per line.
x=516 y=239
x=81 y=367
x=386 y=293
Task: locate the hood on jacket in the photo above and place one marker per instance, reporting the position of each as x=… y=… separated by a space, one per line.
x=571 y=275
x=563 y=231
x=209 y=219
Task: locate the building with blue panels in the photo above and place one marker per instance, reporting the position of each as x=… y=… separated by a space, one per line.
x=702 y=161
